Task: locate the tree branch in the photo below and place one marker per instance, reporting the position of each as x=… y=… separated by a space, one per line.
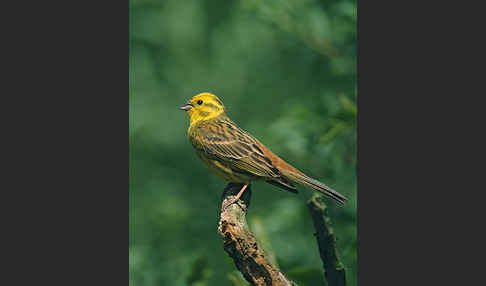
x=326 y=240
x=240 y=243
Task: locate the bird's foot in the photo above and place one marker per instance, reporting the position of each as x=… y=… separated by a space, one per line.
x=238 y=196
x=229 y=203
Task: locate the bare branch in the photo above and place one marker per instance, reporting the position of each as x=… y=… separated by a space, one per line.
x=326 y=240
x=240 y=243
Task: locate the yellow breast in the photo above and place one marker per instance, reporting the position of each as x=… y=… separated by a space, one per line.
x=223 y=171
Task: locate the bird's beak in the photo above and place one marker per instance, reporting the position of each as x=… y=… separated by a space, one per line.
x=186 y=106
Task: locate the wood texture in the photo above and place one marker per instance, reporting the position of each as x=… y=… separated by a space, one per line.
x=326 y=240
x=240 y=243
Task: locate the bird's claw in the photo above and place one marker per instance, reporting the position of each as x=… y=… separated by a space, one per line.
x=234 y=200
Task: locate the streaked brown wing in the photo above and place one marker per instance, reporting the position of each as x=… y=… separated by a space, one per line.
x=233 y=147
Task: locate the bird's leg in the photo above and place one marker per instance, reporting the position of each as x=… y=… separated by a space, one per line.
x=238 y=196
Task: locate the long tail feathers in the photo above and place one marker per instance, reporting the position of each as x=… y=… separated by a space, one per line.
x=316 y=185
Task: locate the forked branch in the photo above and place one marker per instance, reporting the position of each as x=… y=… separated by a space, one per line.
x=249 y=258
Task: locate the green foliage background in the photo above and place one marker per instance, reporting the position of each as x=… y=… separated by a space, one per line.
x=286 y=72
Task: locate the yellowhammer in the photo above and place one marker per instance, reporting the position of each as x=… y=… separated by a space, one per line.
x=235 y=155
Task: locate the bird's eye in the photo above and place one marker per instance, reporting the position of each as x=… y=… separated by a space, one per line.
x=199 y=102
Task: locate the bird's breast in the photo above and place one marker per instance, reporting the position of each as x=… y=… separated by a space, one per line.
x=223 y=171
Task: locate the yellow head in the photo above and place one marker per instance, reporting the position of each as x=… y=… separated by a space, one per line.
x=203 y=106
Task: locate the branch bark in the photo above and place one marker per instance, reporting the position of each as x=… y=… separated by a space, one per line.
x=326 y=240
x=240 y=243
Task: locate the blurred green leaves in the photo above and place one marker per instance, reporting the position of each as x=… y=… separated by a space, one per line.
x=200 y=272
x=344 y=120
x=286 y=72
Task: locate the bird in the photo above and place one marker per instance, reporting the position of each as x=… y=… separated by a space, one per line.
x=236 y=156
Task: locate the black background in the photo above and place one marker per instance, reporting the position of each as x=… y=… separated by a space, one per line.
x=66 y=144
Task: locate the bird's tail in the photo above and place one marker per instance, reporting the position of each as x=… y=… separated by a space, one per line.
x=301 y=178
